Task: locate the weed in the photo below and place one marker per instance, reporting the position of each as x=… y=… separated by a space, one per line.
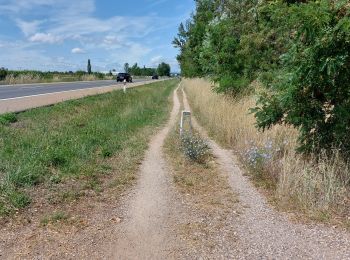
x=194 y=147
x=12 y=200
x=18 y=199
x=54 y=218
x=8 y=118
x=78 y=139
x=316 y=185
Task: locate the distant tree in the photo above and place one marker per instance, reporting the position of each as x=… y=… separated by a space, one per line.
x=80 y=72
x=89 y=67
x=135 y=70
x=110 y=73
x=126 y=68
x=3 y=73
x=163 y=69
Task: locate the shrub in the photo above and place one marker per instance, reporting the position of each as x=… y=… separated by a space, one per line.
x=8 y=119
x=312 y=90
x=256 y=156
x=194 y=147
x=317 y=184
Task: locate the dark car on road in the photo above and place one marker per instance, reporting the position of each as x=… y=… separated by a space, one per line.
x=124 y=76
x=155 y=77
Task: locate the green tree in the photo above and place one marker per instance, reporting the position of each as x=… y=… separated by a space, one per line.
x=3 y=73
x=298 y=49
x=126 y=68
x=164 y=69
x=191 y=35
x=89 y=71
x=312 y=90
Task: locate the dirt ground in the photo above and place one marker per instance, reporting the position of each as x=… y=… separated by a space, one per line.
x=264 y=233
x=154 y=220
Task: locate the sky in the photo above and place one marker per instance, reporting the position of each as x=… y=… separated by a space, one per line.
x=63 y=34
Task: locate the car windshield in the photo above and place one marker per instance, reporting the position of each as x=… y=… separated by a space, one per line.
x=122 y=74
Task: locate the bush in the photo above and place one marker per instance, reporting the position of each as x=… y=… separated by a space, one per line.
x=3 y=73
x=194 y=147
x=8 y=119
x=99 y=75
x=312 y=91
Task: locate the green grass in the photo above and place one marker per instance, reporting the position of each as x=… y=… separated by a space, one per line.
x=8 y=118
x=54 y=218
x=77 y=140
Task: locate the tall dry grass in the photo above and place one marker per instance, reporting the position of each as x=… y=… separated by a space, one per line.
x=21 y=79
x=318 y=186
x=33 y=78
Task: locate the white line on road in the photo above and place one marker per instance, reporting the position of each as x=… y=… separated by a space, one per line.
x=53 y=93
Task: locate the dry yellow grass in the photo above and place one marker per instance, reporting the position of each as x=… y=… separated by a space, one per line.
x=32 y=78
x=319 y=186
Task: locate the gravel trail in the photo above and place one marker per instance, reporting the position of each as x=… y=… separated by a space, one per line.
x=266 y=234
x=148 y=230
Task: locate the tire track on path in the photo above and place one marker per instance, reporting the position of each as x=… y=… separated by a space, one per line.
x=148 y=230
x=266 y=234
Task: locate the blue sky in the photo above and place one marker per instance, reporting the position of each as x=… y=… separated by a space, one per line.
x=63 y=34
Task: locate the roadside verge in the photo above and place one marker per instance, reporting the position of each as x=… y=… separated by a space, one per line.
x=24 y=103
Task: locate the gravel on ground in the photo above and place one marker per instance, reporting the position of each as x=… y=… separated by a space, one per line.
x=264 y=233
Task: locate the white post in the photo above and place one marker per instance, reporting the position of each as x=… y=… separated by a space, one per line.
x=185 y=114
x=124 y=87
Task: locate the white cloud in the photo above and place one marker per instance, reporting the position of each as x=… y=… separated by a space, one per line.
x=18 y=55
x=112 y=41
x=28 y=28
x=158 y=2
x=67 y=7
x=78 y=51
x=45 y=38
x=155 y=61
x=115 y=39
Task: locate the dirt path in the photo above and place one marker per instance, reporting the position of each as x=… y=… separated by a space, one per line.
x=147 y=232
x=146 y=225
x=139 y=226
x=266 y=234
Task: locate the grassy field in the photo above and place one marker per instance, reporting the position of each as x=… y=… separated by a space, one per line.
x=81 y=140
x=317 y=187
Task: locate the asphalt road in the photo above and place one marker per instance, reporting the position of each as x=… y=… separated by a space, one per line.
x=15 y=91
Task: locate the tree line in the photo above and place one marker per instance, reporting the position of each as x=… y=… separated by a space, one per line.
x=48 y=75
x=163 y=69
x=298 y=50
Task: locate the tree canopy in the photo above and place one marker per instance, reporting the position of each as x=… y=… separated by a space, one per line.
x=298 y=50
x=162 y=70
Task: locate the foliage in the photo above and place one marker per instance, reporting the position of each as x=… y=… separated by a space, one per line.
x=312 y=90
x=8 y=118
x=89 y=71
x=137 y=71
x=163 y=69
x=298 y=49
x=3 y=73
x=194 y=147
x=126 y=68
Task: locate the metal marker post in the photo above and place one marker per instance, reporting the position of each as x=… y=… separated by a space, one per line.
x=124 y=87
x=184 y=115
